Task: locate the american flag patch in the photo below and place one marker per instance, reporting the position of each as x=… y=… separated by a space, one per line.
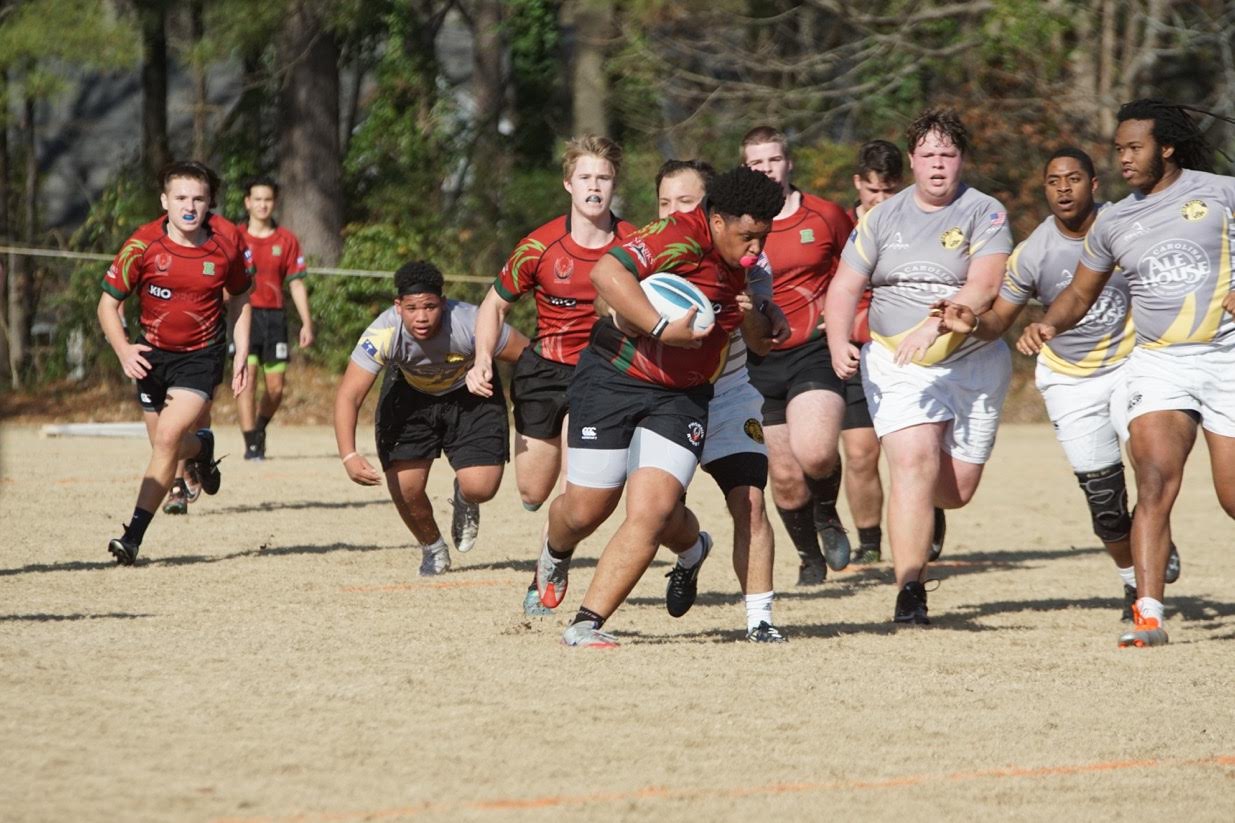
x=998 y=218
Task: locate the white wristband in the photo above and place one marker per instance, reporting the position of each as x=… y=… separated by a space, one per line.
x=349 y=456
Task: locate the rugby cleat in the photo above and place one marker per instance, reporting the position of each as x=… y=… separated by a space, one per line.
x=867 y=555
x=834 y=539
x=203 y=468
x=765 y=632
x=177 y=499
x=1146 y=631
x=532 y=607
x=124 y=551
x=1129 y=603
x=435 y=559
x=586 y=635
x=552 y=578
x=683 y=585
x=940 y=531
x=1173 y=565
x=812 y=572
x=465 y=523
x=911 y=605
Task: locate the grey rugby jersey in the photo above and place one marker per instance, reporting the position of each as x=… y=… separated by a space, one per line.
x=1042 y=267
x=435 y=366
x=1175 y=249
x=915 y=257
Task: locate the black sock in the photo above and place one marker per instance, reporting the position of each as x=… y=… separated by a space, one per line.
x=262 y=422
x=826 y=490
x=557 y=554
x=250 y=439
x=800 y=523
x=588 y=616
x=869 y=537
x=136 y=529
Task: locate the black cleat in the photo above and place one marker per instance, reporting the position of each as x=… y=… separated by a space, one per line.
x=941 y=530
x=204 y=468
x=812 y=572
x=1129 y=602
x=1173 y=567
x=867 y=555
x=834 y=539
x=911 y=605
x=123 y=550
x=684 y=583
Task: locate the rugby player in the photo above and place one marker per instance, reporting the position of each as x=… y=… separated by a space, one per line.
x=935 y=394
x=554 y=262
x=804 y=401
x=424 y=344
x=1171 y=238
x=1080 y=373
x=733 y=450
x=276 y=254
x=639 y=404
x=179 y=266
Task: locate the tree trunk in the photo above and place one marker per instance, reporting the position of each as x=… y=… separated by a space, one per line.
x=488 y=159
x=590 y=86
x=6 y=235
x=21 y=279
x=155 y=151
x=197 y=30
x=310 y=168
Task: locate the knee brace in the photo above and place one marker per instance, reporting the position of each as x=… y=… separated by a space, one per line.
x=1106 y=492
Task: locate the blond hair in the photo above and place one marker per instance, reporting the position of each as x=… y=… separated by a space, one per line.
x=765 y=134
x=592 y=144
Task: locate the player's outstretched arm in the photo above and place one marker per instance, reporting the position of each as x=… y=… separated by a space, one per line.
x=516 y=342
x=240 y=316
x=353 y=387
x=982 y=283
x=130 y=354
x=300 y=298
x=490 y=315
x=1067 y=309
x=840 y=308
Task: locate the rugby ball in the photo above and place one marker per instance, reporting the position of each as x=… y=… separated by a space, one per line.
x=673 y=296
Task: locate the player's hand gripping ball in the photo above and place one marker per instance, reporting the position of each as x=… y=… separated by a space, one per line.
x=674 y=296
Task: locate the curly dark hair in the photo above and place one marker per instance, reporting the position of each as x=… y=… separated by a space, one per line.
x=1173 y=126
x=193 y=170
x=742 y=190
x=945 y=121
x=419 y=277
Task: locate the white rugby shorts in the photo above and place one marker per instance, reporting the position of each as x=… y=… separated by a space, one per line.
x=1197 y=379
x=969 y=393
x=735 y=424
x=1090 y=414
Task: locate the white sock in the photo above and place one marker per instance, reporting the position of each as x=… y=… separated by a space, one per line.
x=691 y=557
x=758 y=610
x=1150 y=608
x=1128 y=575
x=436 y=545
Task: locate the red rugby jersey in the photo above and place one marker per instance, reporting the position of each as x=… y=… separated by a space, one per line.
x=278 y=260
x=682 y=244
x=557 y=268
x=804 y=250
x=181 y=287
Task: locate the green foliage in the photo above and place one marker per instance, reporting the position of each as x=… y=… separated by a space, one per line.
x=537 y=66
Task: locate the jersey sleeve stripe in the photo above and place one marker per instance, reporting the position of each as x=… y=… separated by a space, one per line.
x=113 y=291
x=624 y=257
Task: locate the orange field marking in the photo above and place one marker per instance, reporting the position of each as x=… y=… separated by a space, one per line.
x=772 y=789
x=483 y=583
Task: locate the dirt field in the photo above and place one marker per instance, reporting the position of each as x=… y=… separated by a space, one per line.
x=274 y=657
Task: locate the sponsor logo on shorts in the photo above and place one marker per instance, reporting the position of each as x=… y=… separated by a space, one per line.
x=1194 y=210
x=1174 y=268
x=806 y=236
x=694 y=432
x=145 y=398
x=280 y=351
x=589 y=433
x=208 y=268
x=161 y=292
x=563 y=268
x=1134 y=400
x=277 y=251
x=952 y=238
x=753 y=429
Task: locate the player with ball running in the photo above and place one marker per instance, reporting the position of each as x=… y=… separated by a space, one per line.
x=639 y=403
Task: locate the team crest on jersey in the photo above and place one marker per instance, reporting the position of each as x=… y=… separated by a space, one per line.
x=455 y=357
x=753 y=429
x=694 y=432
x=563 y=268
x=208 y=268
x=277 y=251
x=1194 y=210
x=162 y=261
x=807 y=236
x=952 y=238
